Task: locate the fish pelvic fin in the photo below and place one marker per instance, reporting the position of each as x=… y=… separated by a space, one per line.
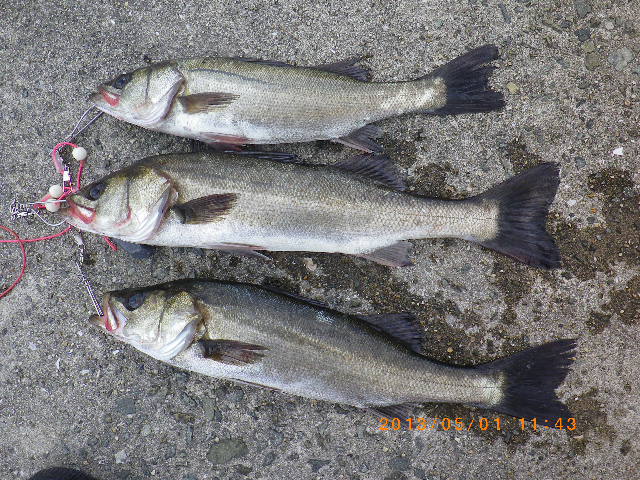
x=523 y=204
x=467 y=83
x=529 y=380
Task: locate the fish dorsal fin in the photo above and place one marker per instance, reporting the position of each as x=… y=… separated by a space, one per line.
x=206 y=209
x=363 y=139
x=231 y=352
x=377 y=167
x=404 y=327
x=344 y=67
x=396 y=255
x=295 y=296
x=347 y=67
x=206 y=101
x=271 y=63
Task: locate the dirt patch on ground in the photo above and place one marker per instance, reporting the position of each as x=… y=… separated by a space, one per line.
x=591 y=421
x=594 y=249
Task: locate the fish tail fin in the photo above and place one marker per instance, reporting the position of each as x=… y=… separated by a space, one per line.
x=529 y=380
x=467 y=82
x=523 y=204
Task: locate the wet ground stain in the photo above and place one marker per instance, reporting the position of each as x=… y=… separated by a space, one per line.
x=595 y=249
x=520 y=157
x=591 y=421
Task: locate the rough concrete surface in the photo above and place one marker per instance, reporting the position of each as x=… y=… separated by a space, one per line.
x=570 y=70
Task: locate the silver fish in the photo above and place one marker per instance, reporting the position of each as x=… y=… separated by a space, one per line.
x=258 y=336
x=230 y=202
x=236 y=101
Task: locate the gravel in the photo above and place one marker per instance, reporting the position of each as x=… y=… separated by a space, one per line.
x=132 y=417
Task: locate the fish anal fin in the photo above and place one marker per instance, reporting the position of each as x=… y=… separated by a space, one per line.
x=363 y=139
x=396 y=255
x=404 y=327
x=206 y=209
x=241 y=249
x=377 y=167
x=231 y=352
x=401 y=410
x=347 y=67
x=206 y=101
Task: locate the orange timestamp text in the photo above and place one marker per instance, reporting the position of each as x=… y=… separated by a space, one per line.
x=482 y=423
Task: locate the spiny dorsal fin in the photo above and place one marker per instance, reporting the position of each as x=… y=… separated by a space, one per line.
x=231 y=352
x=344 y=67
x=362 y=139
x=376 y=167
x=271 y=63
x=295 y=296
x=206 y=101
x=404 y=327
x=396 y=255
x=206 y=209
x=347 y=67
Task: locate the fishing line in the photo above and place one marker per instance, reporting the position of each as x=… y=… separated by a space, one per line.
x=52 y=201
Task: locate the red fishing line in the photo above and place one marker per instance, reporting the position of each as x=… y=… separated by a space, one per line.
x=67 y=190
x=24 y=261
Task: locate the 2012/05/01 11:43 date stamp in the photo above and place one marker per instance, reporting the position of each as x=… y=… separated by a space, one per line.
x=482 y=423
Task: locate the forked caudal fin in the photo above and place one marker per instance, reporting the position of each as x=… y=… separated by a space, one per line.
x=523 y=205
x=529 y=381
x=467 y=82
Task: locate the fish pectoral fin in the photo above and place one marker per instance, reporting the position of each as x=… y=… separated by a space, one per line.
x=396 y=255
x=206 y=101
x=136 y=250
x=363 y=139
x=377 y=167
x=401 y=410
x=403 y=327
x=231 y=352
x=206 y=209
x=347 y=67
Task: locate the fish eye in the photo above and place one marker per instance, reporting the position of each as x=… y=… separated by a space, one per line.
x=134 y=301
x=121 y=81
x=96 y=191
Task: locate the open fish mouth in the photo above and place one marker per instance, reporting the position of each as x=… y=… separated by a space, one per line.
x=113 y=320
x=111 y=98
x=84 y=214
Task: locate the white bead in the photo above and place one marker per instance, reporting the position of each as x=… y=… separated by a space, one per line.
x=52 y=206
x=55 y=191
x=79 y=153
